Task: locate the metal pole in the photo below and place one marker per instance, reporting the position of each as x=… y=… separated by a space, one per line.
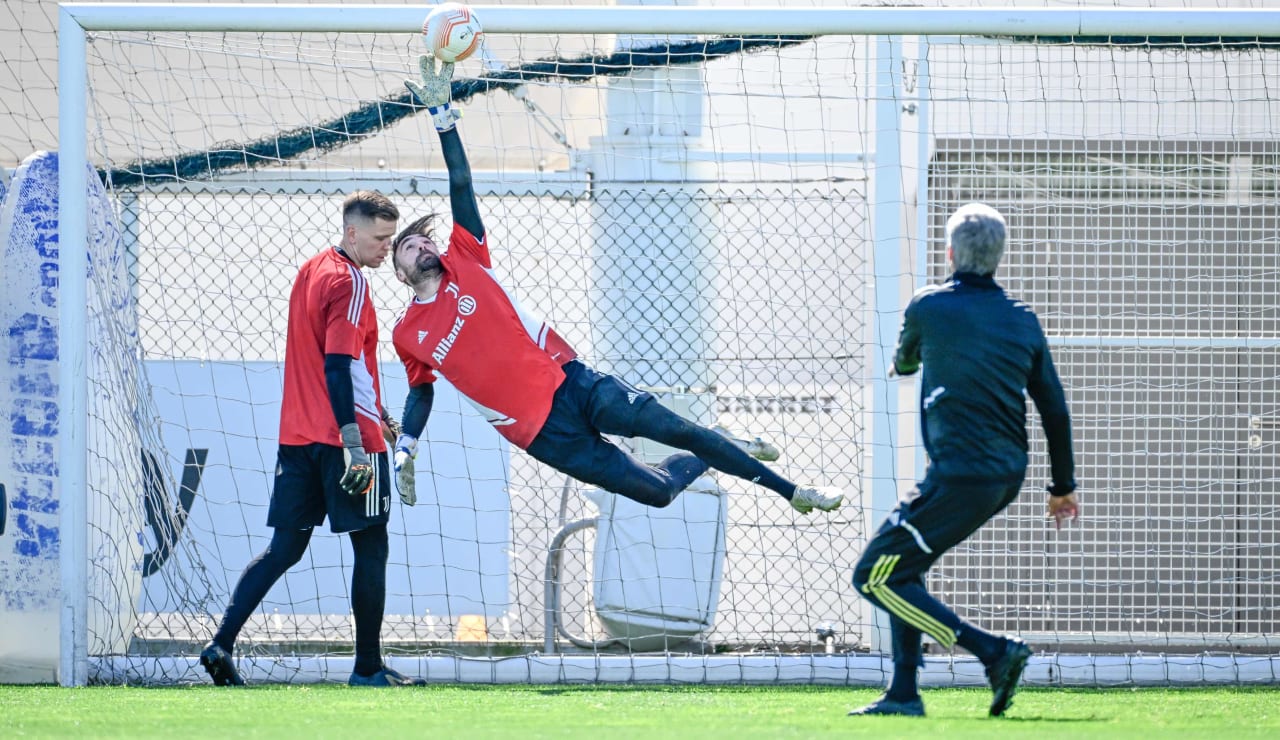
x=887 y=252
x=865 y=21
x=924 y=145
x=73 y=315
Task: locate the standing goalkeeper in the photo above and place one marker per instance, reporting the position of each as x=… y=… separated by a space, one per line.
x=332 y=459
x=981 y=350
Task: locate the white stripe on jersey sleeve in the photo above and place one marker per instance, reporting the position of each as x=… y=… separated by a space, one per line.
x=358 y=290
x=366 y=399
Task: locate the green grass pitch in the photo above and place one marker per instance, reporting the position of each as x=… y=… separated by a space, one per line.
x=609 y=712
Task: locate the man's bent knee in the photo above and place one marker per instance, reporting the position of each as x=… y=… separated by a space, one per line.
x=658 y=499
x=287 y=546
x=861 y=578
x=879 y=568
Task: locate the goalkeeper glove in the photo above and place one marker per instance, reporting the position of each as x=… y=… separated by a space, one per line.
x=357 y=480
x=435 y=92
x=406 y=450
x=390 y=428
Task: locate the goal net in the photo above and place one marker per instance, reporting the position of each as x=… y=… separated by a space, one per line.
x=734 y=220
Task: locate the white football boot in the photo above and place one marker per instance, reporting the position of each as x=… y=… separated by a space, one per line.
x=822 y=498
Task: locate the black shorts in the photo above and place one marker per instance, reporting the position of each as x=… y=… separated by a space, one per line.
x=588 y=404
x=306 y=489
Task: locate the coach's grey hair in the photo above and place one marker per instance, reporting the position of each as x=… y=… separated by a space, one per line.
x=975 y=233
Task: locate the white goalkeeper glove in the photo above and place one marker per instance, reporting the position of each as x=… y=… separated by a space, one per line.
x=357 y=480
x=436 y=92
x=406 y=451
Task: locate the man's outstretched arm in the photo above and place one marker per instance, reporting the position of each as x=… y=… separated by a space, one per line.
x=462 y=194
x=436 y=92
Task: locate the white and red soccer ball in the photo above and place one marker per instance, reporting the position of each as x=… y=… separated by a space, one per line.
x=452 y=32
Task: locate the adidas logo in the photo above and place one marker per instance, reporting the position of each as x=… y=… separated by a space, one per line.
x=632 y=396
x=421 y=336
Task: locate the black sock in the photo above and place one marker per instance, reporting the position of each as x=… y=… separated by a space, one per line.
x=908 y=656
x=286 y=549
x=986 y=646
x=369 y=595
x=902 y=687
x=661 y=425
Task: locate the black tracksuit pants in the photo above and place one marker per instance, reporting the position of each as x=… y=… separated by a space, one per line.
x=890 y=574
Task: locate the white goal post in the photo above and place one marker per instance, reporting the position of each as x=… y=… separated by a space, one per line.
x=1143 y=230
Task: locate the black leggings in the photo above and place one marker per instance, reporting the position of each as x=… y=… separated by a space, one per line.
x=890 y=573
x=589 y=404
x=616 y=471
x=661 y=424
x=368 y=588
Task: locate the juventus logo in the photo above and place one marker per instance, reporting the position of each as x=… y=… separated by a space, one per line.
x=166 y=520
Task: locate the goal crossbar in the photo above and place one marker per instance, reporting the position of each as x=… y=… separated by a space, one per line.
x=689 y=20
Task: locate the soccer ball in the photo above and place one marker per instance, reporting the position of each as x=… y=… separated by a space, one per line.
x=452 y=32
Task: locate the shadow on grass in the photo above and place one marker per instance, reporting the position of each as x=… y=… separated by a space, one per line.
x=1090 y=718
x=642 y=688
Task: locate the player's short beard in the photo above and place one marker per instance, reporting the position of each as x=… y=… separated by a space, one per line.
x=426 y=268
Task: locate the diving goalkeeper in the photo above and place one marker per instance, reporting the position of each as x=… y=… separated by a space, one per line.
x=523 y=377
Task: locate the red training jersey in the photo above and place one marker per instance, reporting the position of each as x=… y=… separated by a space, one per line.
x=330 y=313
x=506 y=362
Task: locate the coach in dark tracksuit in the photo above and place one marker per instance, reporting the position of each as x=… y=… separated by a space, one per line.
x=981 y=349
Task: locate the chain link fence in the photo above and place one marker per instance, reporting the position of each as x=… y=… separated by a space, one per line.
x=770 y=328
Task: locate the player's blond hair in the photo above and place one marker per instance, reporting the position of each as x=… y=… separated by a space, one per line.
x=368 y=205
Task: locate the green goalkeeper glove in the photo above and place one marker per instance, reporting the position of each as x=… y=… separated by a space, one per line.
x=358 y=478
x=406 y=451
x=436 y=92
